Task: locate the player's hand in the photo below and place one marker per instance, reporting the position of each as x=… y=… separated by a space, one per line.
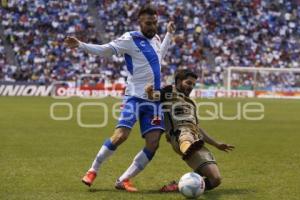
x=224 y=147
x=71 y=42
x=171 y=27
x=149 y=91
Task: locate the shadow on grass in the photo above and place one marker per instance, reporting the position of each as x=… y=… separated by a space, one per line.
x=112 y=190
x=211 y=195
x=216 y=194
x=157 y=192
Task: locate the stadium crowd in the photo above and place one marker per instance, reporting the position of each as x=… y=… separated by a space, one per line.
x=210 y=36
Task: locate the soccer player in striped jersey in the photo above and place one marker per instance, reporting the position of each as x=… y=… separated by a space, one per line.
x=143 y=52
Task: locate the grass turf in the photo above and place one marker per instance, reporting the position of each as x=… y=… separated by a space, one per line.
x=41 y=158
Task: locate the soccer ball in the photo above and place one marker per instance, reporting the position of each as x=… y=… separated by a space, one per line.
x=191 y=185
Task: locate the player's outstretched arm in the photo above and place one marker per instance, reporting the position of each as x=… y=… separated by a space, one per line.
x=219 y=145
x=168 y=38
x=102 y=50
x=71 y=42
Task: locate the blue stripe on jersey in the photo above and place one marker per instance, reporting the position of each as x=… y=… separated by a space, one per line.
x=143 y=44
x=128 y=61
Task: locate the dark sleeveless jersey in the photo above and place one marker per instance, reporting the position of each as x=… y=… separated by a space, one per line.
x=179 y=110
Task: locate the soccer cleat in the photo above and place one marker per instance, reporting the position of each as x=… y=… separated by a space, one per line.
x=171 y=187
x=89 y=178
x=125 y=185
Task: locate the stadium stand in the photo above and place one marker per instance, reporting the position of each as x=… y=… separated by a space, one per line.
x=210 y=36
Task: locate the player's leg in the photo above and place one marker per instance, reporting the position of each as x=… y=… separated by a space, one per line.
x=204 y=163
x=109 y=146
x=188 y=141
x=121 y=133
x=151 y=132
x=212 y=176
x=106 y=150
x=140 y=161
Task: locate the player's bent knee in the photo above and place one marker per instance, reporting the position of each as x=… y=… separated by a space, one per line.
x=215 y=181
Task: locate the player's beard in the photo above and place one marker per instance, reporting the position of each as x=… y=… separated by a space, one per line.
x=185 y=91
x=149 y=34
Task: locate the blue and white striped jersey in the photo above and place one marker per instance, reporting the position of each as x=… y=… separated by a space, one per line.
x=143 y=58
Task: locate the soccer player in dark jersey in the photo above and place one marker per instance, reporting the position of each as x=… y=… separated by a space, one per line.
x=183 y=132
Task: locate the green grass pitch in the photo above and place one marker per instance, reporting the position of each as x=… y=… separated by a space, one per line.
x=41 y=158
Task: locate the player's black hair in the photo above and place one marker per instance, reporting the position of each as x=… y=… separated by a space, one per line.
x=182 y=74
x=147 y=9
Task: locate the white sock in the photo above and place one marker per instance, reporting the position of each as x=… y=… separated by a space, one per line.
x=140 y=161
x=105 y=152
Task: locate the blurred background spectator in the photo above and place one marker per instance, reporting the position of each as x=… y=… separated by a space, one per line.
x=210 y=36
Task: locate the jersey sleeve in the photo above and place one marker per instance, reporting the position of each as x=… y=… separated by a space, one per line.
x=104 y=50
x=166 y=44
x=121 y=45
